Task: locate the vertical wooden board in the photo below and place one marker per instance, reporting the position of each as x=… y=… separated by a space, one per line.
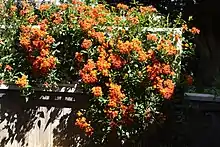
x=44 y=133
x=33 y=137
x=36 y=137
x=54 y=125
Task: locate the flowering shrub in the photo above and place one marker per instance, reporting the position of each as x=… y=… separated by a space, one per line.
x=129 y=59
x=40 y=43
x=129 y=67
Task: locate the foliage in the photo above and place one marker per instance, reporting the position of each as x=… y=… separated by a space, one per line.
x=128 y=58
x=46 y=55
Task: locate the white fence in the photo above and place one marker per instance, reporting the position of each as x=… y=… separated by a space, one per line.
x=38 y=136
x=44 y=121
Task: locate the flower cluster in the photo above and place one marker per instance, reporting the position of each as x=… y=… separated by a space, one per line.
x=22 y=82
x=26 y=9
x=83 y=124
x=36 y=42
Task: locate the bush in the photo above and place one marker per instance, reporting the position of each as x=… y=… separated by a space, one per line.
x=129 y=59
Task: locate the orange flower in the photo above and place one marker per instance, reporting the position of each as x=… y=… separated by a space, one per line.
x=177 y=37
x=142 y=56
x=167 y=46
x=166 y=69
x=169 y=83
x=147 y=9
x=43 y=65
x=127 y=113
x=105 y=72
x=56 y=18
x=49 y=39
x=13 y=8
x=152 y=37
x=43 y=24
x=129 y=12
x=86 y=23
x=38 y=44
x=115 y=100
x=184 y=27
x=25 y=43
x=116 y=61
x=99 y=36
x=88 y=74
x=86 y=44
x=102 y=52
x=94 y=13
x=32 y=19
x=133 y=20
x=82 y=123
x=154 y=70
x=25 y=29
x=22 y=82
x=109 y=28
x=89 y=78
x=112 y=114
x=194 y=30
x=44 y=7
x=76 y=2
x=44 y=52
x=136 y=45
x=89 y=66
x=89 y=131
x=115 y=92
x=150 y=53
x=63 y=6
x=168 y=89
x=97 y=91
x=124 y=47
x=24 y=12
x=79 y=57
x=171 y=50
x=122 y=6
x=102 y=64
x=37 y=33
x=112 y=104
x=8 y=68
x=101 y=20
x=117 y=19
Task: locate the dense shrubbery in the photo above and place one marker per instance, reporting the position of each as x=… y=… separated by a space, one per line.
x=129 y=59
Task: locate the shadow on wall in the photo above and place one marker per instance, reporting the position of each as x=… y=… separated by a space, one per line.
x=40 y=121
x=46 y=119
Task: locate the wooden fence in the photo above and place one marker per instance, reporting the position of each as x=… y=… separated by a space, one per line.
x=47 y=120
